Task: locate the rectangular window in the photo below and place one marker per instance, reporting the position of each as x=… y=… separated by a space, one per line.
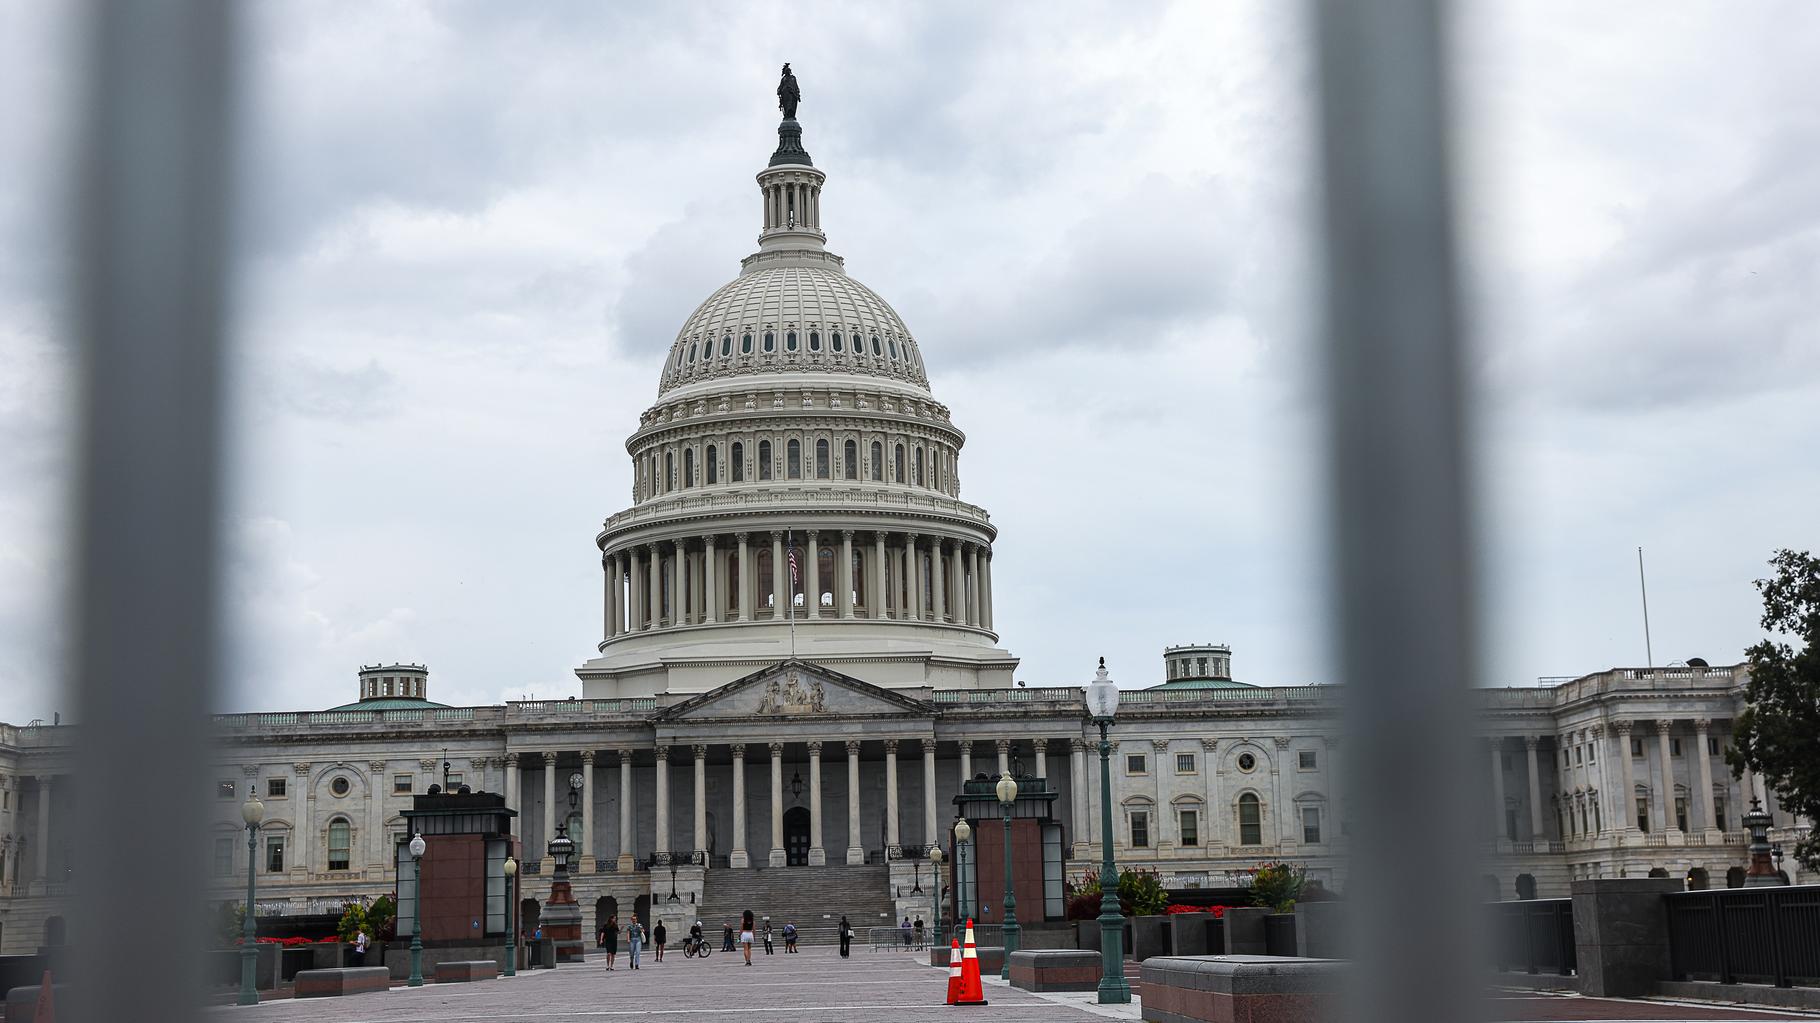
x=1184 y=763
x=401 y=784
x=1719 y=812
x=1140 y=829
x=1579 y=755
x=1504 y=762
x=1674 y=747
x=274 y=788
x=1191 y=828
x=454 y=781
x=224 y=790
x=1592 y=753
x=1567 y=759
x=1598 y=825
x=1134 y=764
x=1643 y=814
x=1712 y=747
x=274 y=854
x=1681 y=813
x=1510 y=824
x=1305 y=760
x=1311 y=825
x=1636 y=747
x=224 y=857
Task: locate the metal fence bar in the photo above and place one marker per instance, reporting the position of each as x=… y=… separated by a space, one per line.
x=150 y=222
x=1400 y=519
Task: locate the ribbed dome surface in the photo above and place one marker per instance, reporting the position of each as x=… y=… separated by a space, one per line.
x=816 y=318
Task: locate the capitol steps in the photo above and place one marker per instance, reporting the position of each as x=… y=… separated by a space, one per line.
x=811 y=897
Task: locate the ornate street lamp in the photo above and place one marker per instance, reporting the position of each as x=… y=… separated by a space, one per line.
x=1103 y=705
x=1007 y=798
x=511 y=917
x=416 y=912
x=962 y=832
x=252 y=811
x=1761 y=873
x=935 y=885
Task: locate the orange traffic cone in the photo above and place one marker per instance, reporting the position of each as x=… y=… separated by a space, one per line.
x=46 y=1009
x=954 y=973
x=972 y=992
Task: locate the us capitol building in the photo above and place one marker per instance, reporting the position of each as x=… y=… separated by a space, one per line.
x=798 y=668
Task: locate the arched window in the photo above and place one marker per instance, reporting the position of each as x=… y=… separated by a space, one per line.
x=860 y=589
x=892 y=342
x=764 y=459
x=878 y=462
x=766 y=579
x=688 y=467
x=745 y=344
x=793 y=460
x=824 y=576
x=729 y=596
x=1251 y=820
x=821 y=459
x=713 y=465
x=815 y=341
x=692 y=347
x=916 y=472
x=679 y=358
x=790 y=341
x=898 y=476
x=770 y=341
x=850 y=460
x=737 y=470
x=341 y=843
x=669 y=471
x=877 y=350
x=836 y=340
x=726 y=346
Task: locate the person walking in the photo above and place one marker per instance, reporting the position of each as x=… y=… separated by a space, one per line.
x=846 y=935
x=745 y=935
x=767 y=933
x=360 y=947
x=726 y=935
x=659 y=937
x=609 y=939
x=789 y=937
x=635 y=937
x=904 y=931
x=919 y=933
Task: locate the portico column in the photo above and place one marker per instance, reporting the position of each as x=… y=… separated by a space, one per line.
x=701 y=797
x=654 y=615
x=1627 y=800
x=549 y=795
x=1602 y=797
x=585 y=847
x=711 y=578
x=1004 y=756
x=1219 y=818
x=817 y=855
x=1077 y=796
x=1039 y=748
x=1704 y=802
x=44 y=827
x=880 y=605
x=610 y=606
x=845 y=575
x=913 y=552
x=985 y=565
x=679 y=605
x=939 y=584
x=780 y=577
x=777 y=803
x=1666 y=799
x=966 y=762
x=745 y=579
x=856 y=853
x=893 y=847
x=930 y=820
x=973 y=584
x=812 y=575
x=634 y=602
x=1530 y=742
x=514 y=799
x=661 y=841
x=1496 y=747
x=738 y=857
x=628 y=846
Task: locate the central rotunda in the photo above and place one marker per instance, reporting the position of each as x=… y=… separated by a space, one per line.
x=795 y=488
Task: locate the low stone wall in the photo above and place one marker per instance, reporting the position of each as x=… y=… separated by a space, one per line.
x=398 y=956
x=1205 y=989
x=347 y=980
x=1753 y=994
x=22 y=1002
x=1055 y=970
x=463 y=971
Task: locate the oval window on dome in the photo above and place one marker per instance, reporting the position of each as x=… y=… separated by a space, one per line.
x=692 y=352
x=726 y=346
x=836 y=340
x=790 y=341
x=770 y=341
x=893 y=343
x=877 y=350
x=815 y=341
x=745 y=344
x=679 y=356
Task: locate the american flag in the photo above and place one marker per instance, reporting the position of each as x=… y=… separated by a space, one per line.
x=793 y=577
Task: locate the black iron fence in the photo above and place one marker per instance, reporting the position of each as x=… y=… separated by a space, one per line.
x=1746 y=935
x=1534 y=935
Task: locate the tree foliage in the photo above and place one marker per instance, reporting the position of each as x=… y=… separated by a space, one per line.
x=1778 y=733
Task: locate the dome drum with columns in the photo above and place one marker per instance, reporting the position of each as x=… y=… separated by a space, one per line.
x=794 y=415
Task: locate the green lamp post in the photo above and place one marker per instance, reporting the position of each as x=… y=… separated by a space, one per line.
x=1103 y=704
x=935 y=922
x=252 y=811
x=416 y=912
x=962 y=832
x=511 y=868
x=1007 y=799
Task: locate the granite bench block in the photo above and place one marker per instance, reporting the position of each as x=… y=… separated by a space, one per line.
x=347 y=980
x=1055 y=970
x=1240 y=989
x=466 y=971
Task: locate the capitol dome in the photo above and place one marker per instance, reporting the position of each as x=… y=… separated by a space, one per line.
x=795 y=487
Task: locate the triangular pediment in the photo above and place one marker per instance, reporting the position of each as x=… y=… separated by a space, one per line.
x=792 y=690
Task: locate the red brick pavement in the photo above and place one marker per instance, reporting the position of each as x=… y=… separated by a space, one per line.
x=1539 y=1008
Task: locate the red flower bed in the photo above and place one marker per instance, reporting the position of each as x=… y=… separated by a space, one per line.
x=1219 y=912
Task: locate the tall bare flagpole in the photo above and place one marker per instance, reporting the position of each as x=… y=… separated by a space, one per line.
x=1648 y=653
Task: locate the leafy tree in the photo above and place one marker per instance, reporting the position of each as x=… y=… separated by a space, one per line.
x=1775 y=734
x=230 y=919
x=353 y=918
x=1278 y=885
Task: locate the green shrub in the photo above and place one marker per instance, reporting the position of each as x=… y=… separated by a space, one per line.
x=1278 y=885
x=353 y=918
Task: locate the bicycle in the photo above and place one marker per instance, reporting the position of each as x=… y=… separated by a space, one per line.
x=693 y=947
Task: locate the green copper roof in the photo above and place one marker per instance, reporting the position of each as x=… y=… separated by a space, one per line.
x=1205 y=683
x=391 y=703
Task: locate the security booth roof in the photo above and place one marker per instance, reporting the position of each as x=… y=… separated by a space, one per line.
x=978 y=799
x=457 y=813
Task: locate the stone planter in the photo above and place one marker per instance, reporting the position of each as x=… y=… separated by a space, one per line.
x=1195 y=934
x=1318 y=929
x=1245 y=930
x=1087 y=935
x=1151 y=936
x=1279 y=934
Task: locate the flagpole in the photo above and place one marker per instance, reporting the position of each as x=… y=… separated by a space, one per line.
x=791 y=597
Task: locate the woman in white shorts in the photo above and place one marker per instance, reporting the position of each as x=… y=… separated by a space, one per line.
x=745 y=935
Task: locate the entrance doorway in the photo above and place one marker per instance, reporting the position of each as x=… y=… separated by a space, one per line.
x=605 y=908
x=796 y=836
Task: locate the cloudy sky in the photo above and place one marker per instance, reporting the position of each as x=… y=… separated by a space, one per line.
x=470 y=231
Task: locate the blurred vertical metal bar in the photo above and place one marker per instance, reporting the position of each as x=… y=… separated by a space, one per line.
x=1400 y=510
x=149 y=222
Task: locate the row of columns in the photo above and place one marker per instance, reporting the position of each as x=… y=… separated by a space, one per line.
x=12 y=829
x=892 y=568
x=801 y=198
